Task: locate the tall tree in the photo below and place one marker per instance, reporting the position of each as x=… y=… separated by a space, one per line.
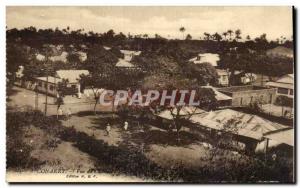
x=182 y=30
x=238 y=34
x=230 y=32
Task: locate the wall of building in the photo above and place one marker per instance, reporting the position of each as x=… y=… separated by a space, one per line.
x=42 y=87
x=244 y=98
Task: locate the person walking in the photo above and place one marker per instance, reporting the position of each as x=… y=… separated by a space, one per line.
x=59 y=113
x=125 y=125
x=69 y=113
x=108 y=128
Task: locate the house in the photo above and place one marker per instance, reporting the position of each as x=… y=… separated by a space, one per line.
x=47 y=85
x=241 y=77
x=206 y=58
x=246 y=95
x=73 y=77
x=249 y=129
x=124 y=64
x=223 y=100
x=275 y=139
x=223 y=77
x=280 y=51
x=284 y=85
x=129 y=54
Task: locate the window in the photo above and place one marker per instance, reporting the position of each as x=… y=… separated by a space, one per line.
x=224 y=78
x=282 y=91
x=51 y=87
x=291 y=92
x=40 y=84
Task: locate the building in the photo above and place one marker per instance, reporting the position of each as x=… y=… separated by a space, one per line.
x=206 y=58
x=280 y=51
x=47 y=85
x=249 y=129
x=129 y=54
x=245 y=95
x=222 y=99
x=275 y=139
x=123 y=64
x=243 y=78
x=284 y=85
x=223 y=77
x=72 y=77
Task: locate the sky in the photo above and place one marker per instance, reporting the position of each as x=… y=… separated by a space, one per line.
x=165 y=21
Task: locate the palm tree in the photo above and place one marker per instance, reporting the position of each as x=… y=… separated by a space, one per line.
x=238 y=34
x=207 y=36
x=145 y=36
x=225 y=35
x=217 y=37
x=182 y=30
x=230 y=32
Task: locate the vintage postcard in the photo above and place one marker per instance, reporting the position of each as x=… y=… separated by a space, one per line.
x=150 y=94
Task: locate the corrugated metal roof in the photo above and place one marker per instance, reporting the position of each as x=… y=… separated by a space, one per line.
x=247 y=124
x=285 y=136
x=281 y=85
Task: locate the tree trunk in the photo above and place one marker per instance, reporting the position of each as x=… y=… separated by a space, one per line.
x=95 y=106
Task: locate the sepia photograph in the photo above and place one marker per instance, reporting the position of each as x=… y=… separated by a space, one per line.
x=150 y=94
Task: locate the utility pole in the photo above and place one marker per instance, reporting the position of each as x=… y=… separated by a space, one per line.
x=36 y=98
x=46 y=102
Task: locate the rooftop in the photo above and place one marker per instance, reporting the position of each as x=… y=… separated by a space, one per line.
x=51 y=79
x=233 y=89
x=248 y=125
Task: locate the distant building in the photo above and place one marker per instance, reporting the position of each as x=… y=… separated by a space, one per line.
x=124 y=64
x=240 y=78
x=250 y=129
x=42 y=85
x=206 y=58
x=223 y=77
x=73 y=77
x=245 y=95
x=129 y=54
x=280 y=51
x=284 y=85
x=222 y=99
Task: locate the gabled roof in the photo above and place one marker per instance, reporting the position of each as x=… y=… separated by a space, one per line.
x=285 y=136
x=51 y=79
x=286 y=81
x=71 y=75
x=222 y=72
x=288 y=78
x=218 y=95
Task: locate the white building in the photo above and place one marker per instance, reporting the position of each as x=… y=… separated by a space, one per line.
x=284 y=85
x=128 y=54
x=206 y=58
